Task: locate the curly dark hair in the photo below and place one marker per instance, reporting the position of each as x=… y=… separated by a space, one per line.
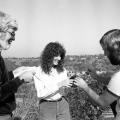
x=53 y=49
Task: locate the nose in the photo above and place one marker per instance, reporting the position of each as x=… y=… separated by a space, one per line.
x=13 y=36
x=59 y=58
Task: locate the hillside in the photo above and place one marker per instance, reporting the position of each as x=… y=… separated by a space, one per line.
x=81 y=108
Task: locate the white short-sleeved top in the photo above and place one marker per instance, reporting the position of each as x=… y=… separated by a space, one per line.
x=114 y=88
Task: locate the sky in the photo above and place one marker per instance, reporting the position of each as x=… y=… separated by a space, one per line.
x=77 y=24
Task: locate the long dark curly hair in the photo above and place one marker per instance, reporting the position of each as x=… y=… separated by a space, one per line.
x=53 y=49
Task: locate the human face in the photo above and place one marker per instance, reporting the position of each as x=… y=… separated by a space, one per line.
x=110 y=56
x=7 y=38
x=56 y=60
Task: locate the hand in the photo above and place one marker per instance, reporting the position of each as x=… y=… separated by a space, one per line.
x=27 y=76
x=67 y=83
x=91 y=71
x=80 y=82
x=19 y=69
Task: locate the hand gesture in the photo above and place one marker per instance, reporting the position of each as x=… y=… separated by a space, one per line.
x=27 y=76
x=80 y=82
x=91 y=71
x=67 y=83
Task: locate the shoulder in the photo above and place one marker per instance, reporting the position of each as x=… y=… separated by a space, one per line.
x=116 y=76
x=114 y=84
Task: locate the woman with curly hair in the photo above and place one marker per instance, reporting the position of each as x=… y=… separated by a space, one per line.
x=50 y=81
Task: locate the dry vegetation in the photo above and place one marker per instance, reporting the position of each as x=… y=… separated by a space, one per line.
x=81 y=108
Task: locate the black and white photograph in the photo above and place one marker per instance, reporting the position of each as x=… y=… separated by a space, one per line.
x=59 y=59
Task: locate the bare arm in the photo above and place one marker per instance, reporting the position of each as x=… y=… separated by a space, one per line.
x=92 y=72
x=103 y=100
x=104 y=80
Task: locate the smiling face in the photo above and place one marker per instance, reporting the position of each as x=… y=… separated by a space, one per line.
x=56 y=60
x=6 y=38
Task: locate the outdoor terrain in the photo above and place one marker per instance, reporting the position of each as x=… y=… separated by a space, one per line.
x=81 y=108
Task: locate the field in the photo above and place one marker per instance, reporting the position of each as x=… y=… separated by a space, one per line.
x=81 y=108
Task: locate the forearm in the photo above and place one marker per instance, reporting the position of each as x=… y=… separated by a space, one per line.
x=104 y=80
x=9 y=88
x=93 y=96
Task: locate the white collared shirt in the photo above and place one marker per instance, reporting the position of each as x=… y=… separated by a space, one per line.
x=46 y=85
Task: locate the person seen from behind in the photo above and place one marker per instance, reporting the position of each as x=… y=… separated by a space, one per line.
x=110 y=42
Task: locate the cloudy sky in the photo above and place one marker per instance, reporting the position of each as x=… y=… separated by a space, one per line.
x=77 y=24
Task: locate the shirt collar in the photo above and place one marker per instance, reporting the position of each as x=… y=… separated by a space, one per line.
x=53 y=71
